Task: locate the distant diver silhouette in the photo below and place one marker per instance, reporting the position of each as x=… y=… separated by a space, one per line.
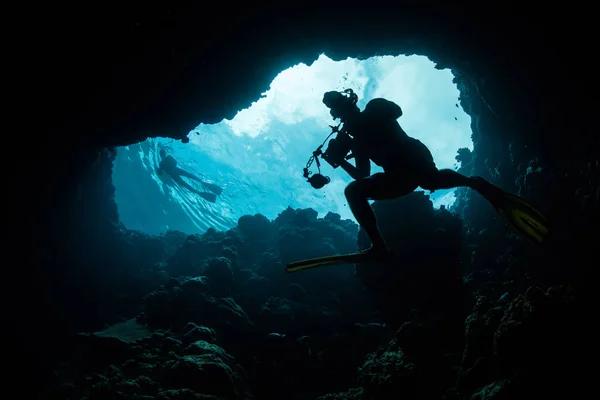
x=375 y=135
x=168 y=165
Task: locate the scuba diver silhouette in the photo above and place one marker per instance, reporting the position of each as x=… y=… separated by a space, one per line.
x=168 y=165
x=375 y=135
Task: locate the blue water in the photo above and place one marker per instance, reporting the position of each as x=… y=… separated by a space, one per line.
x=154 y=204
x=258 y=157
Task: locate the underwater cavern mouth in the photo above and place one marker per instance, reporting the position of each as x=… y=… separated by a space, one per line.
x=66 y=257
x=258 y=157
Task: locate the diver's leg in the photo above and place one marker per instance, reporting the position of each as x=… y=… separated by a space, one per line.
x=205 y=195
x=186 y=174
x=431 y=178
x=517 y=213
x=447 y=179
x=376 y=187
x=177 y=178
x=207 y=186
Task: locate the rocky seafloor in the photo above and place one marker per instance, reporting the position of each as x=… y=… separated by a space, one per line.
x=469 y=312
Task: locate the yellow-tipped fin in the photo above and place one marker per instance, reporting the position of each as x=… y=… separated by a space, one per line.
x=522 y=218
x=352 y=258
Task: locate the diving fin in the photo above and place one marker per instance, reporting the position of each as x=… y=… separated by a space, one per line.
x=517 y=213
x=213 y=188
x=352 y=258
x=208 y=196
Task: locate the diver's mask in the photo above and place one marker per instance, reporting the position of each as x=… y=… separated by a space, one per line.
x=340 y=103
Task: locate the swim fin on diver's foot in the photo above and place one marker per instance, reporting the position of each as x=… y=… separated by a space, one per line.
x=521 y=216
x=211 y=197
x=217 y=190
x=376 y=256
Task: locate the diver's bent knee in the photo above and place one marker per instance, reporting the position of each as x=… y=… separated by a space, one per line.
x=353 y=189
x=430 y=181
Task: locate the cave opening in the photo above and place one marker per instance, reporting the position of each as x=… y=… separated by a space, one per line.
x=257 y=157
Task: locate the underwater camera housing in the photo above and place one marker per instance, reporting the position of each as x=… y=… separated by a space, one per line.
x=338 y=150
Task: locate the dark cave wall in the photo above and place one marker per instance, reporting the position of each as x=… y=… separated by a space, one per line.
x=78 y=252
x=151 y=73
